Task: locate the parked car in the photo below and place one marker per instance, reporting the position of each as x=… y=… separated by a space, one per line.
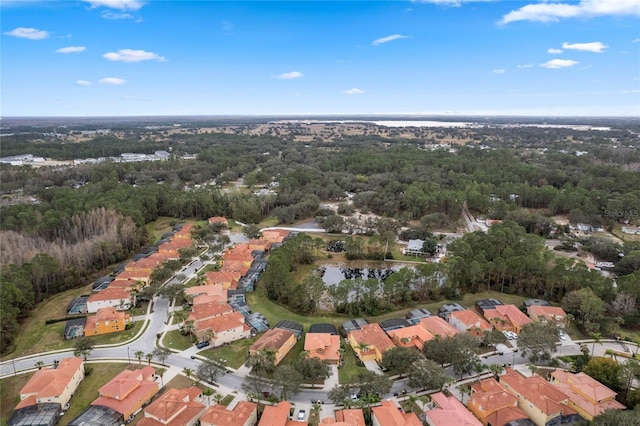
x=562 y=336
x=201 y=345
x=301 y=415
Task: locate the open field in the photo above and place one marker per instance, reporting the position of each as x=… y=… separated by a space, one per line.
x=9 y=394
x=234 y=353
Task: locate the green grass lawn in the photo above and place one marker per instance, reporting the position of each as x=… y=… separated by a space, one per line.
x=349 y=370
x=234 y=353
x=227 y=400
x=173 y=339
x=9 y=395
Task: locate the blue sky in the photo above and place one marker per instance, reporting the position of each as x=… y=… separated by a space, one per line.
x=155 y=57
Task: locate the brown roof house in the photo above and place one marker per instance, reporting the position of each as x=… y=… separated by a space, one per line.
x=323 y=346
x=228 y=280
x=278 y=415
x=276 y=340
x=493 y=405
x=543 y=402
x=53 y=385
x=129 y=391
x=414 y=336
x=586 y=395
x=506 y=318
x=243 y=414
x=176 y=407
x=387 y=414
x=550 y=314
x=370 y=342
x=469 y=322
x=348 y=417
x=438 y=327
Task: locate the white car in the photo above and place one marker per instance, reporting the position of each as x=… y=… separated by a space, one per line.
x=562 y=336
x=301 y=415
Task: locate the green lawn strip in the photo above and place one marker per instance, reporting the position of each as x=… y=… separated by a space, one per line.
x=10 y=395
x=234 y=353
x=174 y=340
x=349 y=370
x=227 y=400
x=268 y=222
x=87 y=392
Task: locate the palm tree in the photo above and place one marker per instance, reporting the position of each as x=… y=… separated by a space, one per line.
x=188 y=372
x=412 y=400
x=139 y=355
x=160 y=372
x=149 y=357
x=496 y=369
x=217 y=397
x=208 y=392
x=39 y=364
x=464 y=390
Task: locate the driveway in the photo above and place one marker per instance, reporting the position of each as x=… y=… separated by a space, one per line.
x=372 y=365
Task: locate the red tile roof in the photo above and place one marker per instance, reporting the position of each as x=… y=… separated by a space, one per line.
x=208 y=310
x=546 y=397
x=387 y=414
x=474 y=322
x=109 y=293
x=351 y=417
x=586 y=392
x=552 y=313
x=438 y=327
x=127 y=389
x=322 y=346
x=222 y=323
x=373 y=335
x=450 y=412
x=50 y=382
x=219 y=415
x=176 y=407
x=272 y=339
x=509 y=313
x=412 y=336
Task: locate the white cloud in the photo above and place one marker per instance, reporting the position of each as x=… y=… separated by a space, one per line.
x=30 y=33
x=107 y=14
x=83 y=83
x=525 y=66
x=117 y=4
x=387 y=39
x=499 y=71
x=112 y=81
x=554 y=12
x=554 y=51
x=130 y=55
x=559 y=63
x=354 y=91
x=594 y=46
x=71 y=49
x=290 y=75
x=635 y=40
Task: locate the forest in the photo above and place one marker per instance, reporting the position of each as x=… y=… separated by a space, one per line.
x=86 y=217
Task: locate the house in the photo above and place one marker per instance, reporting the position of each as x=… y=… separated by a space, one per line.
x=171 y=249
x=223 y=329
x=323 y=346
x=217 y=291
x=507 y=318
x=148 y=264
x=234 y=266
x=387 y=414
x=544 y=403
x=414 y=248
x=633 y=230
x=106 y=320
x=277 y=340
x=228 y=280
x=469 y=322
x=215 y=220
x=548 y=314
x=53 y=385
x=128 y=392
x=142 y=276
x=294 y=327
x=209 y=310
x=484 y=304
x=243 y=414
x=348 y=417
x=493 y=405
x=184 y=232
x=445 y=310
x=448 y=411
x=176 y=407
x=110 y=297
x=278 y=415
x=414 y=336
x=438 y=327
x=275 y=235
x=370 y=342
x=416 y=315
x=259 y=244
x=354 y=324
x=586 y=395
